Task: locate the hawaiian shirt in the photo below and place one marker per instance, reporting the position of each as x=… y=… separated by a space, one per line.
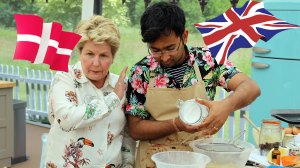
x=87 y=123
x=212 y=74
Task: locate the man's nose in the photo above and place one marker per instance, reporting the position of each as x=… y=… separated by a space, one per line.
x=164 y=57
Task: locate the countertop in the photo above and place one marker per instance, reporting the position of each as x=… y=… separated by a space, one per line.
x=6 y=84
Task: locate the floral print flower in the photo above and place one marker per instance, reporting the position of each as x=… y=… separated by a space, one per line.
x=73 y=153
x=89 y=111
x=209 y=59
x=228 y=64
x=223 y=82
x=153 y=63
x=129 y=107
x=50 y=165
x=138 y=70
x=161 y=81
x=71 y=96
x=77 y=73
x=77 y=84
x=137 y=84
x=194 y=81
x=110 y=137
x=191 y=60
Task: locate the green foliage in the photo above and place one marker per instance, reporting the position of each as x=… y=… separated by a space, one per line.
x=114 y=10
x=131 y=12
x=68 y=13
x=242 y=2
x=140 y=8
x=215 y=8
x=192 y=12
x=10 y=7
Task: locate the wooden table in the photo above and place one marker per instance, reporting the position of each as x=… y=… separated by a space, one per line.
x=6 y=123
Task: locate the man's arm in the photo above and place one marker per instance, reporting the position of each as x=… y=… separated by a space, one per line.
x=245 y=92
x=140 y=129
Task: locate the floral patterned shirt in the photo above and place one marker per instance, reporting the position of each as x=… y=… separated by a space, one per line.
x=212 y=74
x=87 y=123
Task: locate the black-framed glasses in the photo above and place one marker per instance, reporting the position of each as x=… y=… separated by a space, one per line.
x=164 y=51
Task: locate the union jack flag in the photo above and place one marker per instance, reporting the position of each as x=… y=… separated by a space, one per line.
x=240 y=28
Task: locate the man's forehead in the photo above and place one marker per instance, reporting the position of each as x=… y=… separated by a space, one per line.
x=165 y=41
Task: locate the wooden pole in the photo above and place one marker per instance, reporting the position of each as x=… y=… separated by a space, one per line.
x=98 y=7
x=202 y=4
x=234 y=3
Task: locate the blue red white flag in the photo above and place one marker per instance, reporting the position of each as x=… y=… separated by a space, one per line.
x=40 y=42
x=240 y=28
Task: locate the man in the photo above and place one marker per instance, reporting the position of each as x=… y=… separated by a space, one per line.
x=173 y=71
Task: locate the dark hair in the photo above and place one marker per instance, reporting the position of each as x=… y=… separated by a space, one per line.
x=161 y=19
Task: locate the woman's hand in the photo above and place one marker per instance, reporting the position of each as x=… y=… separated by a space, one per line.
x=121 y=84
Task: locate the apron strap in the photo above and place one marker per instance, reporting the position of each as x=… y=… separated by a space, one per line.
x=197 y=71
x=151 y=82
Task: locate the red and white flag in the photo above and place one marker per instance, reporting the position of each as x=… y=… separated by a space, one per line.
x=40 y=42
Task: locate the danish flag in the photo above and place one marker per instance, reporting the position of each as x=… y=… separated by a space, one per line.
x=40 y=42
x=240 y=28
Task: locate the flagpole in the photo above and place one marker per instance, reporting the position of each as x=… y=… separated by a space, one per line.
x=234 y=3
x=98 y=7
x=202 y=4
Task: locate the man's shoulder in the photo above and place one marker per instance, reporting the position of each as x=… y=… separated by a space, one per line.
x=196 y=49
x=196 y=53
x=144 y=63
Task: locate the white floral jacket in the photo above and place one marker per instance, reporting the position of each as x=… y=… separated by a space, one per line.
x=87 y=124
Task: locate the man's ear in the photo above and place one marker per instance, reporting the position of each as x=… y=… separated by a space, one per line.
x=185 y=36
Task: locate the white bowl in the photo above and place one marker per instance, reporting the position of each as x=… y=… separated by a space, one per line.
x=224 y=159
x=180 y=159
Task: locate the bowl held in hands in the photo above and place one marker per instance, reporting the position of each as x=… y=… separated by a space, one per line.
x=191 y=112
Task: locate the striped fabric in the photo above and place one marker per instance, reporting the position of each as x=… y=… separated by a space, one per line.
x=177 y=72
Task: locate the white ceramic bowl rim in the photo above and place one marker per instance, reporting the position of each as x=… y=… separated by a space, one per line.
x=251 y=146
x=206 y=159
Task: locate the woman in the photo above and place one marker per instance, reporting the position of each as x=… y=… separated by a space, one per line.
x=85 y=105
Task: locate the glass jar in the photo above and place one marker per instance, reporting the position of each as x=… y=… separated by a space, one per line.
x=191 y=112
x=270 y=136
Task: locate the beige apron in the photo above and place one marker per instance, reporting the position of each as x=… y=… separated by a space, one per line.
x=161 y=103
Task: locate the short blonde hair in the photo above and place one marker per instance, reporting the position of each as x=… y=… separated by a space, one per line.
x=98 y=29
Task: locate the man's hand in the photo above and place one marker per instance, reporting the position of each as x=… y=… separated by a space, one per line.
x=217 y=116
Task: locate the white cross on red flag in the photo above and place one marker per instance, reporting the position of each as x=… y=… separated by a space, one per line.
x=40 y=42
